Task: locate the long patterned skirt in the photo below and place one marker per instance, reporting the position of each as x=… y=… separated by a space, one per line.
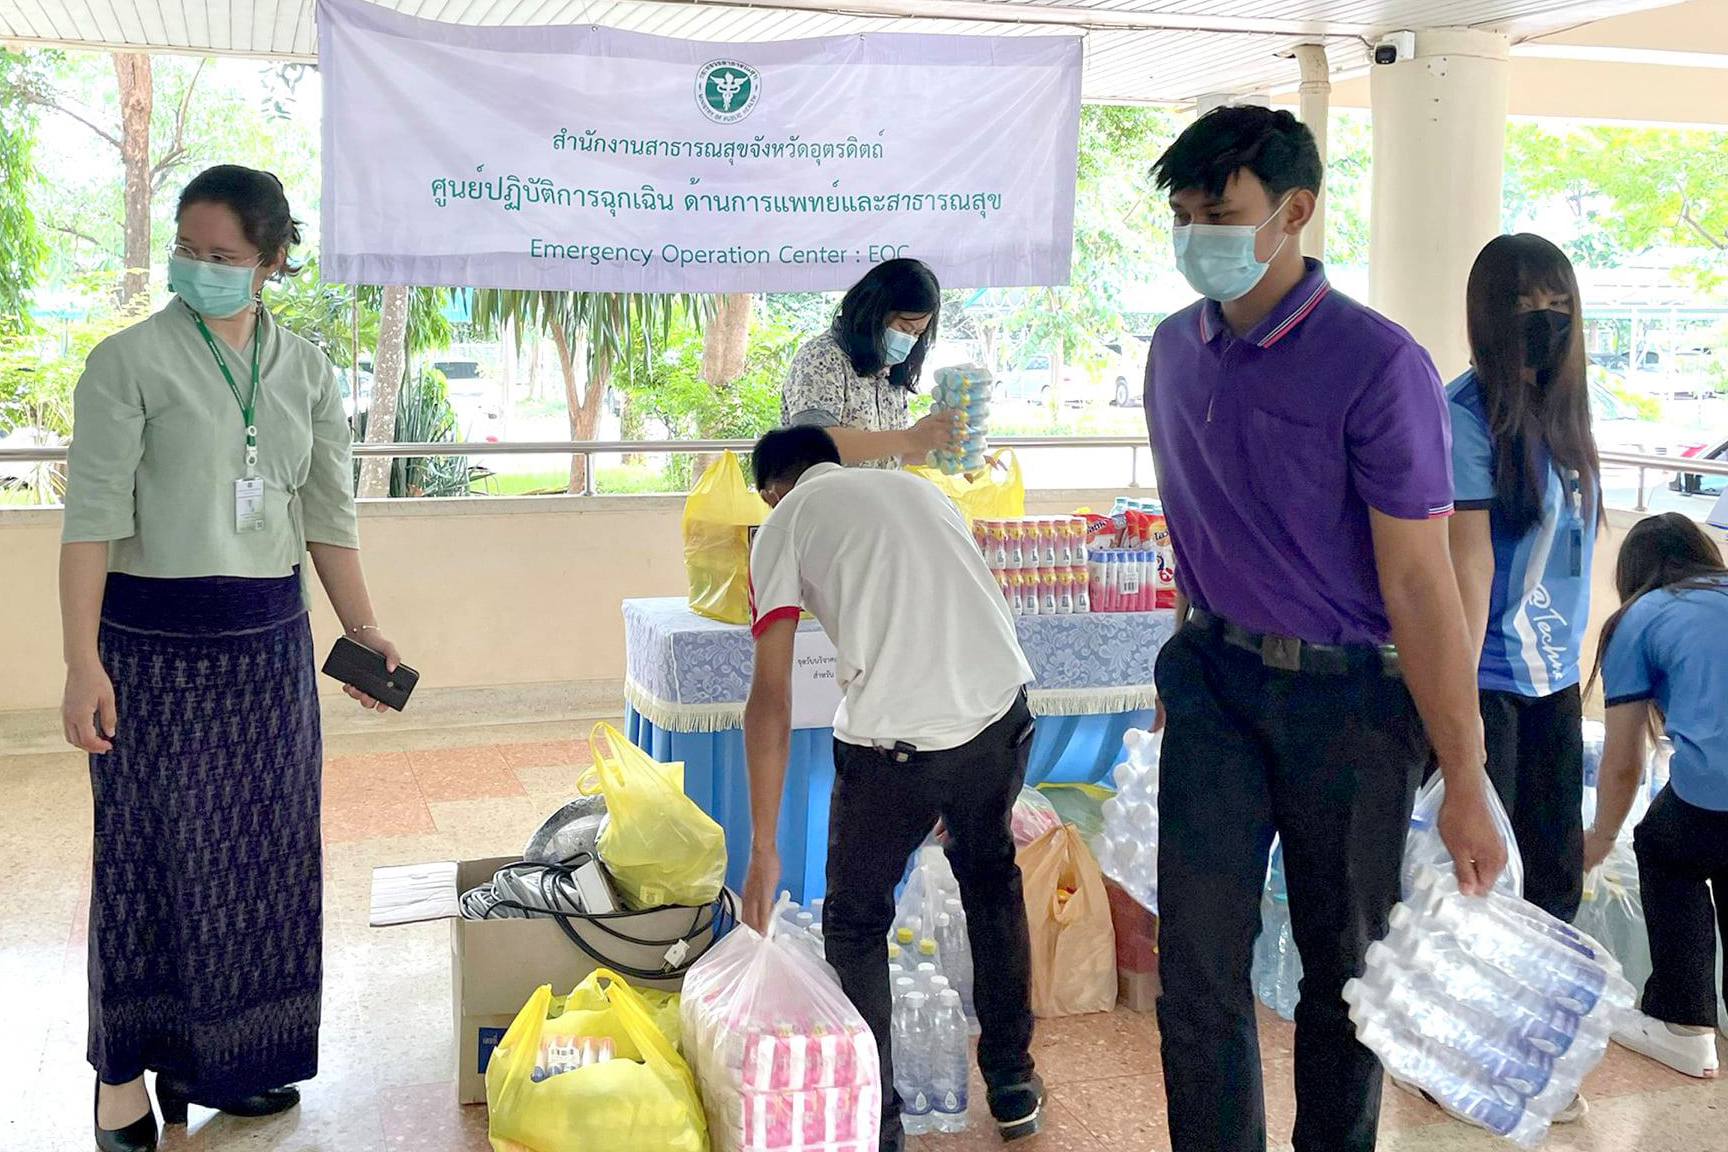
x=207 y=891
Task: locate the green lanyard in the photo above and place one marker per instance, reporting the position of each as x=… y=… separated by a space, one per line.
x=247 y=406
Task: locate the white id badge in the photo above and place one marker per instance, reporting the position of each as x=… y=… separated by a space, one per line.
x=249 y=505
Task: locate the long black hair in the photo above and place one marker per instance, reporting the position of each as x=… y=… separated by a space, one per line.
x=258 y=199
x=1660 y=552
x=897 y=287
x=1536 y=412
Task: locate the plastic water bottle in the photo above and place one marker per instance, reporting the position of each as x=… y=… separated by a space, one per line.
x=956 y=953
x=912 y=1062
x=1450 y=1079
x=1547 y=1028
x=1545 y=967
x=923 y=975
x=951 y=1072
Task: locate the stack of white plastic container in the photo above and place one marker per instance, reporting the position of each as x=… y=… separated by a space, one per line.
x=930 y=971
x=784 y=1061
x=1494 y=1008
x=1127 y=848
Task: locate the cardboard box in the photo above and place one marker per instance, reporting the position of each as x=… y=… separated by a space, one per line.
x=1136 y=949
x=495 y=965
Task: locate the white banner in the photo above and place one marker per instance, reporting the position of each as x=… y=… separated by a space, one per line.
x=585 y=158
x=815 y=680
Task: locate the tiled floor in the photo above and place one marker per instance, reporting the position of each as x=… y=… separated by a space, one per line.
x=398 y=797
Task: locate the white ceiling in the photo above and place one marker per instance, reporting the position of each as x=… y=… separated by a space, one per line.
x=1151 y=51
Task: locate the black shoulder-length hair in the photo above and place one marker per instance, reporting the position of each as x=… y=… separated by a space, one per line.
x=258 y=199
x=897 y=287
x=1668 y=552
x=1530 y=420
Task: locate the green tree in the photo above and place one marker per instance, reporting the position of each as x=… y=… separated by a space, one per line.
x=22 y=249
x=1630 y=189
x=593 y=331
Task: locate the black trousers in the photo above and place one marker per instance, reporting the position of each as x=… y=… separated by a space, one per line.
x=1536 y=761
x=880 y=813
x=1682 y=855
x=1330 y=764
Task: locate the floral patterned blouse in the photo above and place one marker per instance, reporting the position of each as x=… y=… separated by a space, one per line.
x=823 y=389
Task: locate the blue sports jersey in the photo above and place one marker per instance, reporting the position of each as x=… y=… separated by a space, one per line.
x=1672 y=647
x=1540 y=600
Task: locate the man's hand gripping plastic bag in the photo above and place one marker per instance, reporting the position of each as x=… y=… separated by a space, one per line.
x=658 y=846
x=1424 y=848
x=643 y=1099
x=718 y=517
x=783 y=1058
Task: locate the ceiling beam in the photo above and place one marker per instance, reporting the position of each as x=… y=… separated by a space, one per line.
x=1608 y=54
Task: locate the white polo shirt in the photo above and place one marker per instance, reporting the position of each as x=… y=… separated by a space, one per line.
x=926 y=645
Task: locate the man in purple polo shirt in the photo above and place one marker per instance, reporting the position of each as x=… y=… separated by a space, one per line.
x=1303 y=461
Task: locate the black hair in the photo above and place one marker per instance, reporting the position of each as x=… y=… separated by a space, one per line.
x=785 y=454
x=1669 y=552
x=904 y=287
x=257 y=198
x=1533 y=415
x=1278 y=148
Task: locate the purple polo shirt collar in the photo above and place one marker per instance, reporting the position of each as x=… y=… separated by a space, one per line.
x=1273 y=447
x=1296 y=307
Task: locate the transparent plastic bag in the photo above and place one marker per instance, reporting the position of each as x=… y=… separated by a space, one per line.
x=1276 y=973
x=1033 y=816
x=1612 y=910
x=783 y=1059
x=1424 y=848
x=1081 y=805
x=658 y=846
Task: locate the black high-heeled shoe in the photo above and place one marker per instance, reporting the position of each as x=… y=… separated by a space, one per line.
x=173 y=1098
x=138 y=1136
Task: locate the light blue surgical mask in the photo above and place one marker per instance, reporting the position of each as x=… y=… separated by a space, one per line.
x=214 y=290
x=897 y=345
x=1218 y=260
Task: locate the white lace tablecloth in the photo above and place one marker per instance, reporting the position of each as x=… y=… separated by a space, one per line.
x=686 y=673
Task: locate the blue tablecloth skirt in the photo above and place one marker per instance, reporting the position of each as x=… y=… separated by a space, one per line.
x=1068 y=749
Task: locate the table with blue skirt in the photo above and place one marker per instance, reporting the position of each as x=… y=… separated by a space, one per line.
x=687 y=677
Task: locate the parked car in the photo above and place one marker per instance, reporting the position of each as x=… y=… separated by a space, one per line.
x=1697 y=484
x=1619 y=428
x=1030 y=380
x=1128 y=358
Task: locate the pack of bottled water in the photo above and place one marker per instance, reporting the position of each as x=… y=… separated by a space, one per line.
x=1276 y=972
x=1127 y=847
x=929 y=937
x=932 y=1060
x=783 y=1060
x=1491 y=1006
x=965 y=389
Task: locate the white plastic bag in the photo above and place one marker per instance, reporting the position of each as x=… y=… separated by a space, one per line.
x=1612 y=911
x=783 y=1059
x=1424 y=848
x=1276 y=970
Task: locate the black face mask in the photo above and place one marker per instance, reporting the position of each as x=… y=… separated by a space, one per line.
x=1545 y=336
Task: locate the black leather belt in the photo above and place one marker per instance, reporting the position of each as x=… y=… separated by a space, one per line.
x=1288 y=654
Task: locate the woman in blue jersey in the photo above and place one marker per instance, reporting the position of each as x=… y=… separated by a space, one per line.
x=1664 y=659
x=1527 y=490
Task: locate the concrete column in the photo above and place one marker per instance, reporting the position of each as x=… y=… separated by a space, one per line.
x=1439 y=146
x=1315 y=96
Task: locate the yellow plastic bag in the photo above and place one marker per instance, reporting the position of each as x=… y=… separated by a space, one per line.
x=658 y=845
x=981 y=495
x=1068 y=917
x=718 y=516
x=641 y=1100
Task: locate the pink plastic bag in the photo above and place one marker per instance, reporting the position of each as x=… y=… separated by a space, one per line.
x=783 y=1060
x=1033 y=816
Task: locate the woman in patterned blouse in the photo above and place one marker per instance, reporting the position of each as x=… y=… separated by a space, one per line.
x=856 y=378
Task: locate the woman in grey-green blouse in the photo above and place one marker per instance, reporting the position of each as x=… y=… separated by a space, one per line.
x=210 y=455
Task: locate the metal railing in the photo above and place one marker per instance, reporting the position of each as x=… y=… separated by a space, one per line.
x=588 y=449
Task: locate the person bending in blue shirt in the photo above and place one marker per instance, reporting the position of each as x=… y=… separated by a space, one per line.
x=1664 y=658
x=1527 y=492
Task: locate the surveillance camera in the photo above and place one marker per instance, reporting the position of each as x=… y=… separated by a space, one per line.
x=1395 y=46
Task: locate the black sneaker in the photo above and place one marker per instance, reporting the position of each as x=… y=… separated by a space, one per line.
x=1018 y=1108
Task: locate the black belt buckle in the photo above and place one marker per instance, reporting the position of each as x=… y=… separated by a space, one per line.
x=1281 y=652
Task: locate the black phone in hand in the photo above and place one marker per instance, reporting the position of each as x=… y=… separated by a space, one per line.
x=360 y=667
